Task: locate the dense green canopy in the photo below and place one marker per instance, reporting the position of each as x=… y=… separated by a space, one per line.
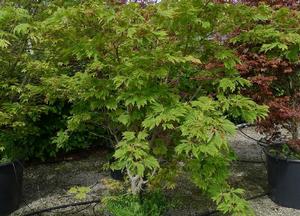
x=159 y=83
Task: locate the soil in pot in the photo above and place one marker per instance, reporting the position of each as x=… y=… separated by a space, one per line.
x=283 y=179
x=11 y=181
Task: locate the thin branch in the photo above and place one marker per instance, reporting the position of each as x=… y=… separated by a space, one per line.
x=114 y=135
x=101 y=136
x=196 y=93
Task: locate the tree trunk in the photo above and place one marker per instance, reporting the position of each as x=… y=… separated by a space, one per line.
x=295 y=130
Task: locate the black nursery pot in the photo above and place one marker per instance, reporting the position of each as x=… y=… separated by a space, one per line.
x=284 y=181
x=11 y=181
x=116 y=174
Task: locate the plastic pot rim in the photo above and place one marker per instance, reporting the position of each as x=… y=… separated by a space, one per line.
x=11 y=163
x=279 y=158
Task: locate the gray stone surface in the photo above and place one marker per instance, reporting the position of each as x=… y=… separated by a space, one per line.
x=46 y=185
x=246 y=148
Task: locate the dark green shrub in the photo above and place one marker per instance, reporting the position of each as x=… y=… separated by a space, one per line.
x=29 y=125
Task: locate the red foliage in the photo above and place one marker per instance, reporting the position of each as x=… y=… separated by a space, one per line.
x=268 y=75
x=294 y=145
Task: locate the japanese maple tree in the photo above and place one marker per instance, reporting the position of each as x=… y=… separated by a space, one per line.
x=269 y=53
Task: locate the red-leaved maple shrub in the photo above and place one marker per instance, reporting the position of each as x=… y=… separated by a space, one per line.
x=269 y=54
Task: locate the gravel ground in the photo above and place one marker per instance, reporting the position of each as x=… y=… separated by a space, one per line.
x=47 y=185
